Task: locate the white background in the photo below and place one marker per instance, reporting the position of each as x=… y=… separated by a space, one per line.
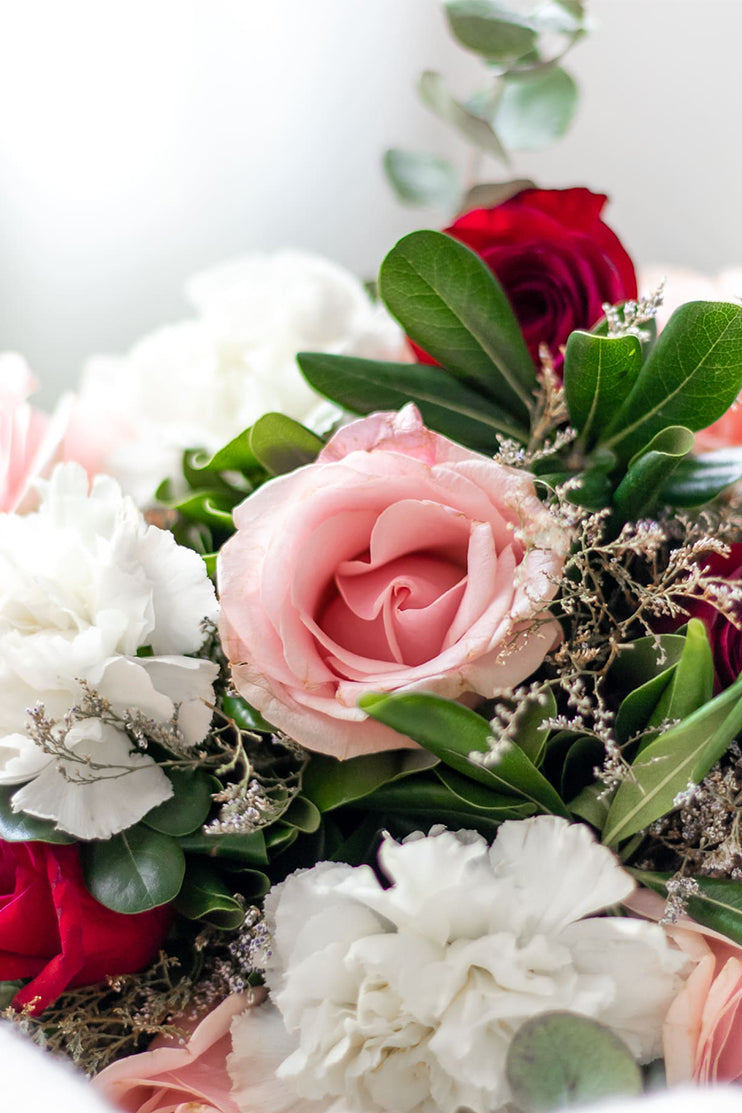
x=141 y=140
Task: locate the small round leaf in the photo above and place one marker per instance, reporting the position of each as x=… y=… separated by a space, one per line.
x=134 y=871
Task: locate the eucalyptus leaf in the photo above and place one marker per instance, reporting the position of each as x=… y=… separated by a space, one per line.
x=699 y=479
x=487 y=195
x=682 y=755
x=421 y=179
x=557 y=1059
x=535 y=108
x=489 y=29
x=641 y=487
x=281 y=444
x=205 y=896
x=451 y=304
x=330 y=783
x=189 y=805
x=690 y=378
x=718 y=904
x=434 y=94
x=599 y=372
x=452 y=732
x=20 y=827
x=446 y=404
x=134 y=871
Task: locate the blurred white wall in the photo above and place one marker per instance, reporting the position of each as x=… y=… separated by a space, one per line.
x=141 y=140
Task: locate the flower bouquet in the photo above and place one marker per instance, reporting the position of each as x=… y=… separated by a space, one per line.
x=387 y=758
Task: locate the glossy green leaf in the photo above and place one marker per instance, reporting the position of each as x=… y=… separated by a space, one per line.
x=236 y=455
x=302 y=814
x=599 y=373
x=592 y=803
x=529 y=734
x=479 y=798
x=244 y=850
x=281 y=444
x=558 y=1059
x=682 y=755
x=19 y=827
x=330 y=783
x=212 y=508
x=434 y=94
x=189 y=805
x=490 y=29
x=446 y=404
x=690 y=378
x=452 y=732
x=134 y=871
x=641 y=488
x=425 y=800
x=421 y=179
x=699 y=479
x=640 y=660
x=717 y=906
x=535 y=108
x=639 y=706
x=447 y=299
x=205 y=896
x=245 y=716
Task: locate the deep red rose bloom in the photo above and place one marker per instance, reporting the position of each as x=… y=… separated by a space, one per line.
x=54 y=932
x=554 y=257
x=724 y=637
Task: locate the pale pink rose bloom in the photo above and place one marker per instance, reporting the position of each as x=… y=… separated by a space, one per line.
x=30 y=442
x=702 y=1033
x=180 y=1078
x=399 y=561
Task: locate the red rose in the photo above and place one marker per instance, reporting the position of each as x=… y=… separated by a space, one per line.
x=54 y=932
x=724 y=637
x=555 y=259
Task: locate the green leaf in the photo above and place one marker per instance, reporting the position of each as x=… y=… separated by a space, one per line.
x=487 y=195
x=641 y=488
x=592 y=803
x=639 y=706
x=303 y=815
x=451 y=304
x=529 y=734
x=699 y=479
x=452 y=732
x=281 y=444
x=189 y=805
x=682 y=755
x=446 y=405
x=690 y=378
x=717 y=906
x=134 y=871
x=434 y=94
x=236 y=455
x=425 y=800
x=420 y=179
x=19 y=827
x=205 y=896
x=330 y=783
x=245 y=716
x=599 y=372
x=535 y=108
x=559 y=1058
x=490 y=30
x=210 y=507
x=644 y=658
x=242 y=850
x=8 y=991
x=478 y=798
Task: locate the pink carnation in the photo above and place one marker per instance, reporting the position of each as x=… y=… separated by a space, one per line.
x=398 y=561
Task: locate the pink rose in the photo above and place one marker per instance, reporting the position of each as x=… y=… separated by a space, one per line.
x=30 y=442
x=180 y=1078
x=702 y=1033
x=398 y=561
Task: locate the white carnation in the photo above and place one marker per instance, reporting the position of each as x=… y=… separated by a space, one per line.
x=200 y=382
x=406 y=998
x=85 y=584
